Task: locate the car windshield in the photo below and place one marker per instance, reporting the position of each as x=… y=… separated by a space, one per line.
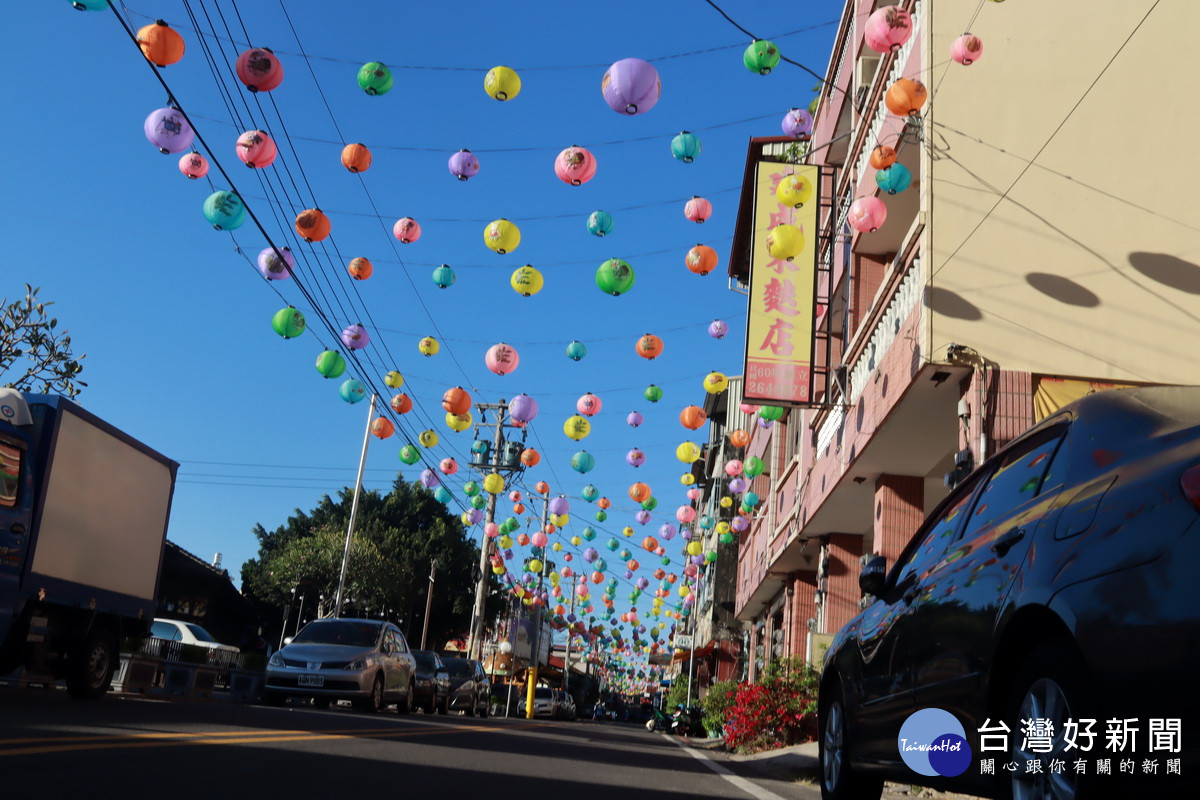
x=543 y=693
x=458 y=667
x=200 y=634
x=336 y=631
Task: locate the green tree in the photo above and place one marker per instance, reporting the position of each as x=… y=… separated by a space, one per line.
x=34 y=355
x=397 y=535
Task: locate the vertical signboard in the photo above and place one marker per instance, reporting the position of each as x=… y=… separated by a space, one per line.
x=779 y=331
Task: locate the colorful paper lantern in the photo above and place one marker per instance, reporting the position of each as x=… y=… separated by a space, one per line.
x=882 y=157
x=459 y=422
x=639 y=492
x=966 y=49
x=276 y=265
x=356 y=157
x=906 y=97
x=887 y=29
x=410 y=454
x=288 y=322
x=739 y=438
x=355 y=337
x=715 y=382
x=635 y=458
x=631 y=86
x=615 y=277
x=256 y=149
x=753 y=466
x=697 y=209
x=526 y=281
x=168 y=130
x=407 y=230
x=575 y=165
x=796 y=123
x=193 y=165
x=360 y=268
x=501 y=236
x=259 y=69
x=867 y=214
x=428 y=346
x=331 y=364
x=649 y=346
x=463 y=165
x=761 y=56
x=522 y=409
x=448 y=466
x=427 y=438
x=577 y=427
x=312 y=225
x=443 y=276
x=225 y=211
x=589 y=405
x=501 y=358
x=785 y=241
x=718 y=328
x=794 y=190
x=352 y=391
x=692 y=417
x=374 y=78
x=576 y=350
x=773 y=413
x=688 y=452
x=583 y=462
x=894 y=179
x=502 y=83
x=161 y=44
x=701 y=259
x=393 y=380
x=685 y=146
x=382 y=428
x=599 y=223
x=493 y=483
x=401 y=403
x=530 y=458
x=456 y=401
x=652 y=393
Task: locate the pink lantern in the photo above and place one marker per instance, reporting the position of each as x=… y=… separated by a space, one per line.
x=966 y=49
x=259 y=69
x=406 y=230
x=635 y=458
x=501 y=358
x=748 y=408
x=588 y=405
x=575 y=165
x=867 y=214
x=538 y=539
x=685 y=514
x=492 y=530
x=634 y=419
x=193 y=165
x=567 y=572
x=887 y=29
x=660 y=551
x=256 y=149
x=355 y=337
x=797 y=122
x=693 y=494
x=515 y=496
x=448 y=466
x=733 y=467
x=697 y=209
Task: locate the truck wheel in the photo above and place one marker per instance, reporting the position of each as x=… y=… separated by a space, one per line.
x=92 y=664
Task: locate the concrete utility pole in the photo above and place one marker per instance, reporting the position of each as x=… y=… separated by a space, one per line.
x=428 y=601
x=535 y=652
x=567 y=654
x=485 y=547
x=362 y=463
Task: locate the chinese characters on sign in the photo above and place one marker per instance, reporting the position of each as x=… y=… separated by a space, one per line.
x=779 y=338
x=1125 y=746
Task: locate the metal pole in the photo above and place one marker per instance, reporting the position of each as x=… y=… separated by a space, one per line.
x=567 y=655
x=287 y=613
x=299 y=616
x=476 y=646
x=512 y=662
x=428 y=601
x=362 y=463
x=692 y=654
x=535 y=653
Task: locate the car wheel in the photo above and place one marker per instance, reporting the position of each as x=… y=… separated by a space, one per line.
x=373 y=703
x=839 y=781
x=430 y=706
x=444 y=706
x=92 y=665
x=1050 y=685
x=472 y=709
x=406 y=705
x=486 y=708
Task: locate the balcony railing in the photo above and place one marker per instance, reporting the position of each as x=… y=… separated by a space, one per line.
x=899 y=62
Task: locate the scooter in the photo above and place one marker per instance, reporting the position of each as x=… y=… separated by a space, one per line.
x=686 y=720
x=658 y=721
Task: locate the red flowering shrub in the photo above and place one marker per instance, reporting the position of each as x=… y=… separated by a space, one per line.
x=780 y=710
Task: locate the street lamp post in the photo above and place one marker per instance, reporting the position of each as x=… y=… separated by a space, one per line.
x=362 y=464
x=299 y=616
x=287 y=613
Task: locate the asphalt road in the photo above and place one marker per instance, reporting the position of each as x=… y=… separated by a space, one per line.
x=55 y=747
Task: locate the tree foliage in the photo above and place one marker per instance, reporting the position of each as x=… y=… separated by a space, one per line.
x=397 y=535
x=34 y=355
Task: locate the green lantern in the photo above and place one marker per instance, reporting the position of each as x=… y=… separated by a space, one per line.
x=773 y=413
x=471 y=488
x=726 y=538
x=375 y=78
x=331 y=364
x=666 y=561
x=614 y=277
x=576 y=351
x=652 y=393
x=650 y=503
x=753 y=466
x=761 y=56
x=443 y=276
x=410 y=454
x=478 y=501
x=710 y=556
x=288 y=322
x=601 y=515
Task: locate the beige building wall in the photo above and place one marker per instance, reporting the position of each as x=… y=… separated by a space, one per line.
x=1064 y=234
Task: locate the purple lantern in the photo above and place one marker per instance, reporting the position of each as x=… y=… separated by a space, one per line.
x=667 y=531
x=274 y=268
x=463 y=164
x=168 y=130
x=765 y=423
x=718 y=328
x=631 y=86
x=697 y=560
x=642 y=516
x=686 y=533
x=635 y=458
x=475 y=515
x=590 y=555
x=634 y=419
x=560 y=505
x=628 y=574
x=428 y=478
x=355 y=337
x=740 y=524
x=797 y=122
x=522 y=408
x=642 y=583
x=737 y=485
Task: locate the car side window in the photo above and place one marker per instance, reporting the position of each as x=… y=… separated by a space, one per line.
x=920 y=557
x=401 y=642
x=1017 y=480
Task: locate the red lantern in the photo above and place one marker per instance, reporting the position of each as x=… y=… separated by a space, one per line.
x=649 y=346
x=402 y=403
x=256 y=149
x=312 y=225
x=160 y=44
x=382 y=428
x=456 y=401
x=701 y=259
x=883 y=157
x=360 y=269
x=905 y=97
x=530 y=457
x=692 y=417
x=356 y=157
x=259 y=69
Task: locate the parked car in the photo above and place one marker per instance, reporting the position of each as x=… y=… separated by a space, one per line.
x=433 y=682
x=1057 y=582
x=175 y=630
x=470 y=686
x=545 y=703
x=566 y=705
x=366 y=661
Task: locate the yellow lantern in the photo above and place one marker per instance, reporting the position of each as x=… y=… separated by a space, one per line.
x=466 y=520
x=394 y=379
x=726 y=502
x=553 y=577
x=628 y=531
x=723 y=526
x=428 y=346
x=501 y=236
x=493 y=483
x=535 y=565
x=458 y=422
x=502 y=83
x=556 y=547
x=687 y=479
x=498 y=570
x=715 y=383
x=526 y=281
x=560 y=519
x=794 y=191
x=505 y=541
x=694 y=548
x=577 y=427
x=575 y=540
x=684 y=591
x=785 y=241
x=428 y=438
x=687 y=452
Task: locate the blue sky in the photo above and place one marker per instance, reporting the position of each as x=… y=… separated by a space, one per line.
x=176 y=323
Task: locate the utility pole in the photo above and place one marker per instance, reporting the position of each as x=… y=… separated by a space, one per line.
x=567 y=655
x=362 y=463
x=535 y=653
x=692 y=654
x=428 y=601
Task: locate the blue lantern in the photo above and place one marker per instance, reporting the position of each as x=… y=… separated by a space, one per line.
x=225 y=210
x=576 y=350
x=600 y=223
x=443 y=276
x=352 y=391
x=583 y=461
x=442 y=494
x=590 y=493
x=685 y=146
x=895 y=178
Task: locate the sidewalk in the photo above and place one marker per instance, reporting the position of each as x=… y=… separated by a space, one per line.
x=801 y=763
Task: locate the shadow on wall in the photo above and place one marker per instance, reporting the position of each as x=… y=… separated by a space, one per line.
x=951 y=304
x=1168 y=270
x=1064 y=290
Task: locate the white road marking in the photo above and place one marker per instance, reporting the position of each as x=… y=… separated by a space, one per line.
x=746 y=786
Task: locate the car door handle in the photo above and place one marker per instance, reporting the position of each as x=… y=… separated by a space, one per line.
x=1005 y=543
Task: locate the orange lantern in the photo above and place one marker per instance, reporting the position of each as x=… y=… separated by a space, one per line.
x=541 y=487
x=523 y=539
x=632 y=564
x=701 y=259
x=649 y=543
x=649 y=346
x=161 y=44
x=905 y=97
x=882 y=157
x=660 y=573
x=604 y=503
x=530 y=457
x=639 y=492
x=402 y=403
x=456 y=401
x=312 y=225
x=598 y=577
x=739 y=438
x=549 y=529
x=382 y=428
x=356 y=157
x=518 y=508
x=360 y=268
x=671 y=578
x=692 y=417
